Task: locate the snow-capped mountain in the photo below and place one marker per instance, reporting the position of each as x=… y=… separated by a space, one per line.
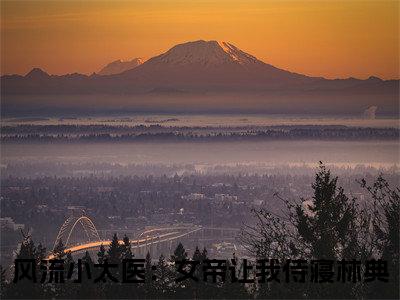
x=209 y=63
x=206 y=75
x=206 y=53
x=120 y=66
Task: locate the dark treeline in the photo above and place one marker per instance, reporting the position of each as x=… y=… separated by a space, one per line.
x=104 y=133
x=40 y=168
x=81 y=129
x=333 y=226
x=160 y=276
x=330 y=226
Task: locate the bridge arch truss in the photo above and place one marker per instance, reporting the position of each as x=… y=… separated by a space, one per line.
x=69 y=226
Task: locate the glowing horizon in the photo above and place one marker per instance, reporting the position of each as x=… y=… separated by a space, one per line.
x=334 y=39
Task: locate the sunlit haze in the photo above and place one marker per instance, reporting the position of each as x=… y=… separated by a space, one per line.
x=333 y=39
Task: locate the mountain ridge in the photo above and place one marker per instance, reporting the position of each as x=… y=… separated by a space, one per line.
x=119 y=66
x=140 y=61
x=203 y=68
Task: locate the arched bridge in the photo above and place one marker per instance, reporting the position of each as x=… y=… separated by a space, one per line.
x=148 y=238
x=67 y=228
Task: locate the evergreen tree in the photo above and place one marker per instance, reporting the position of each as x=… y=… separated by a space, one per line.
x=204 y=254
x=87 y=258
x=101 y=258
x=230 y=288
x=101 y=255
x=114 y=252
x=165 y=278
x=40 y=253
x=200 y=289
x=67 y=290
x=327 y=224
x=200 y=257
x=179 y=253
x=325 y=227
x=87 y=266
x=196 y=254
x=114 y=256
x=27 y=250
x=89 y=290
x=69 y=259
x=126 y=249
x=386 y=224
x=148 y=286
x=26 y=289
x=59 y=250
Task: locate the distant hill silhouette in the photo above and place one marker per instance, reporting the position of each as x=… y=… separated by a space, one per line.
x=207 y=68
x=119 y=66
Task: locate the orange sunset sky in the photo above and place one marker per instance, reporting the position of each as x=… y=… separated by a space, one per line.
x=334 y=39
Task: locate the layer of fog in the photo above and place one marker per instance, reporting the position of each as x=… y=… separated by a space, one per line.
x=223 y=120
x=367 y=153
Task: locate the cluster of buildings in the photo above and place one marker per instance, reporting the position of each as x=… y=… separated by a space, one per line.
x=8 y=223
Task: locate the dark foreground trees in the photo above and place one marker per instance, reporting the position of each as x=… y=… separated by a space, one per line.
x=330 y=226
x=386 y=228
x=160 y=278
x=335 y=227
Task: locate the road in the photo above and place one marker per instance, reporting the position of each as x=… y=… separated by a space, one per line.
x=138 y=243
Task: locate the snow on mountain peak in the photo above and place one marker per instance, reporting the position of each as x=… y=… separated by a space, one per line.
x=206 y=53
x=228 y=49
